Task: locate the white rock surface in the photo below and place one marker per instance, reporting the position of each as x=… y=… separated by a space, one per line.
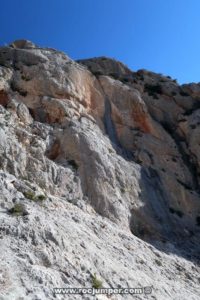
x=99 y=173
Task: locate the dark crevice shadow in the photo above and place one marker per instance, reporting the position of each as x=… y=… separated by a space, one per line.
x=111 y=130
x=156 y=225
x=154 y=222
x=191 y=165
x=186 y=247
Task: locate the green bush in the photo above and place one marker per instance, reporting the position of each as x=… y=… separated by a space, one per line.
x=158 y=262
x=153 y=89
x=97 y=73
x=96 y=283
x=25 y=78
x=18 y=210
x=114 y=75
x=123 y=190
x=31 y=195
x=124 y=79
x=41 y=197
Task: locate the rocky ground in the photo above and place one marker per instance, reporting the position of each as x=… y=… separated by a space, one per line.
x=99 y=178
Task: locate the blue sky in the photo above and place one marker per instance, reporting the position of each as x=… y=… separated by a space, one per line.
x=158 y=35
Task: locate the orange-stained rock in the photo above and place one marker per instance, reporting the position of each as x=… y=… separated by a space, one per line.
x=3 y=98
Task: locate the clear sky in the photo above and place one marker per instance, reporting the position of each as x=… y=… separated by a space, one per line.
x=158 y=35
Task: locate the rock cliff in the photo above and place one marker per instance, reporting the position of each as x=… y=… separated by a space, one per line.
x=99 y=173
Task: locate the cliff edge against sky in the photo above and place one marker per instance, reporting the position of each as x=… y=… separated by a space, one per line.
x=99 y=173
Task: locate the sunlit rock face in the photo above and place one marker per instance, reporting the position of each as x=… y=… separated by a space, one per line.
x=95 y=156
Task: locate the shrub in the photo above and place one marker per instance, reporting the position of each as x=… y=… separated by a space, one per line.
x=41 y=197
x=122 y=189
x=150 y=88
x=114 y=75
x=25 y=78
x=124 y=79
x=30 y=195
x=153 y=90
x=97 y=73
x=18 y=210
x=96 y=283
x=158 y=262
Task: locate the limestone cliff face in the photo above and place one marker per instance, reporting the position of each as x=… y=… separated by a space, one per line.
x=115 y=147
